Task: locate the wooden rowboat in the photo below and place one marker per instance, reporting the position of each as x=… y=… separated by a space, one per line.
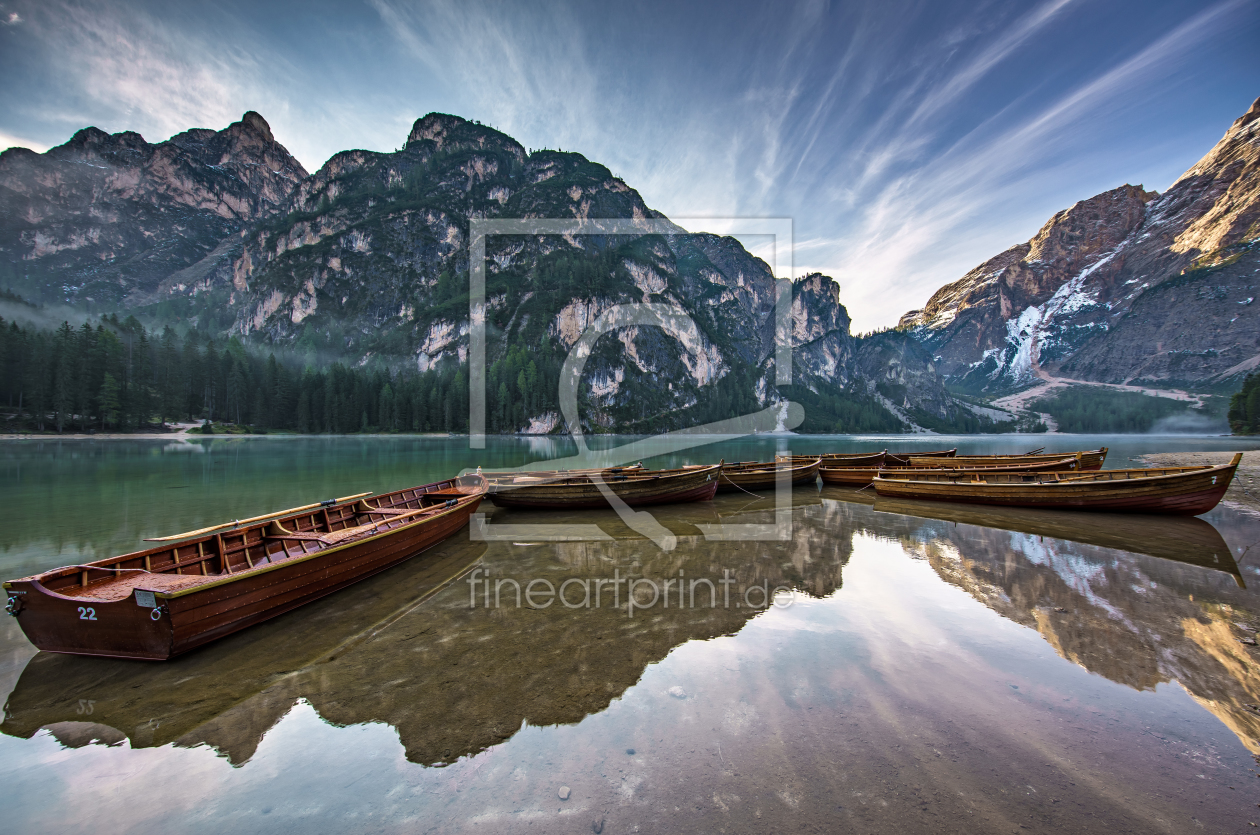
x=902 y=459
x=755 y=475
x=1091 y=459
x=856 y=459
x=860 y=476
x=509 y=477
x=635 y=487
x=159 y=603
x=862 y=459
x=1185 y=491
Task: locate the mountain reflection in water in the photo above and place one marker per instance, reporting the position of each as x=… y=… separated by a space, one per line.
x=1086 y=583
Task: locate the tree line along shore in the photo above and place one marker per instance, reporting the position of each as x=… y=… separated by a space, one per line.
x=116 y=376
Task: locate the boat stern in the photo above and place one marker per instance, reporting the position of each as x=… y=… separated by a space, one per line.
x=137 y=626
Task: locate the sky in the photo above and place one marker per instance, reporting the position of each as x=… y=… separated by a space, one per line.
x=907 y=141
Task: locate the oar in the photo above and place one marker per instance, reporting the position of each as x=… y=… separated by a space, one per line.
x=239 y=522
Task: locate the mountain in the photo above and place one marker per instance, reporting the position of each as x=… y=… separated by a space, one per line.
x=1129 y=286
x=366 y=262
x=102 y=220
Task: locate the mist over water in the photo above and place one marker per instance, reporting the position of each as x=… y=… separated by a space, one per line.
x=1189 y=424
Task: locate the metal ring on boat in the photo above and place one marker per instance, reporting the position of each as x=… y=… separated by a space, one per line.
x=15 y=604
x=156 y=614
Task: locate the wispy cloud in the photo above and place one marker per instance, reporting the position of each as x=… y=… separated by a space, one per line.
x=909 y=231
x=908 y=141
x=525 y=68
x=125 y=67
x=144 y=69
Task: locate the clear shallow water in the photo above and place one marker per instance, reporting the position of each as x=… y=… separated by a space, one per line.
x=938 y=668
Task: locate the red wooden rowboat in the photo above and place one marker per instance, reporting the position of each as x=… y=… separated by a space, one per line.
x=159 y=603
x=1091 y=459
x=859 y=476
x=902 y=459
x=833 y=459
x=1184 y=491
x=764 y=475
x=634 y=487
x=510 y=477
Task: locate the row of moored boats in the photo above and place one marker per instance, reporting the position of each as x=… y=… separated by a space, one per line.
x=192 y=588
x=1035 y=479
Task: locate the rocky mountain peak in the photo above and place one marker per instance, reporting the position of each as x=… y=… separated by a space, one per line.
x=1225 y=186
x=1090 y=226
x=136 y=212
x=256 y=123
x=443 y=132
x=1029 y=273
x=87 y=137
x=1100 y=293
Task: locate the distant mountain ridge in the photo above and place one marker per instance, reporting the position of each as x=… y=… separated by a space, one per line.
x=1129 y=286
x=367 y=260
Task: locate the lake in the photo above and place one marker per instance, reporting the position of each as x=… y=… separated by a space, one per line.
x=921 y=667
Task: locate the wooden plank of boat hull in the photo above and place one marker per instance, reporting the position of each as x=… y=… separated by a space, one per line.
x=841 y=459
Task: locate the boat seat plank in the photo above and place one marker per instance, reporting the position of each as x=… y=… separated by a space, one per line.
x=119 y=588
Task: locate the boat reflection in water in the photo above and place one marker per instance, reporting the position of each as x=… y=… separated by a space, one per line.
x=407 y=649
x=1184 y=539
x=1088 y=584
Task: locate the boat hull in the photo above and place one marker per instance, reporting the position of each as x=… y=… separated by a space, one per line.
x=766 y=477
x=1182 y=494
x=902 y=459
x=217 y=605
x=688 y=486
x=862 y=476
x=1091 y=459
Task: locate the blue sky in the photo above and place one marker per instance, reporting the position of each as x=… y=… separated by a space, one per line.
x=908 y=141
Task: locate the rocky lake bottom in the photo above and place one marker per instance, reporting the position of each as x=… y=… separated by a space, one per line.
x=921 y=667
